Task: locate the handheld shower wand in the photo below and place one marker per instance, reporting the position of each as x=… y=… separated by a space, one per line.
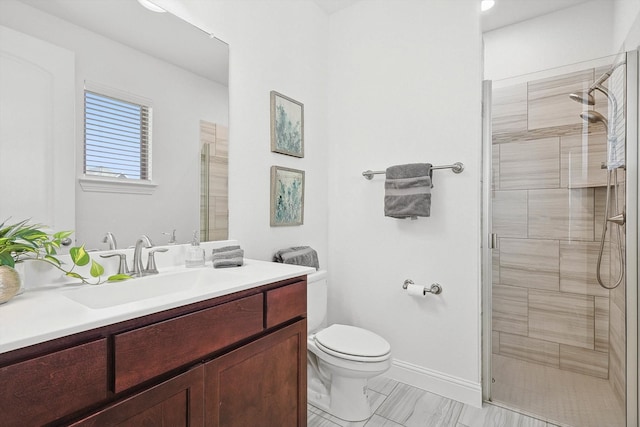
x=592 y=117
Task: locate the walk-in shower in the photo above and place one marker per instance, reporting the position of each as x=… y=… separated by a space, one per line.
x=557 y=186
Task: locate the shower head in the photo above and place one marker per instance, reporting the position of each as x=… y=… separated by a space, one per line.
x=583 y=97
x=586 y=97
x=594 y=117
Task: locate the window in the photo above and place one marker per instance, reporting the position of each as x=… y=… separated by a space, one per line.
x=117 y=137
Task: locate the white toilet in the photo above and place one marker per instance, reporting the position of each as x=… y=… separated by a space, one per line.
x=340 y=358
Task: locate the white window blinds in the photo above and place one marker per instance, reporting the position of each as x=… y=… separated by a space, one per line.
x=117 y=137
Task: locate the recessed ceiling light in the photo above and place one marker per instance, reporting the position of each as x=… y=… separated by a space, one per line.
x=152 y=7
x=486 y=5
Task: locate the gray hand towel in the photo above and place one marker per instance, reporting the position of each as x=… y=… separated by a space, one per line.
x=230 y=256
x=298 y=255
x=225 y=249
x=408 y=191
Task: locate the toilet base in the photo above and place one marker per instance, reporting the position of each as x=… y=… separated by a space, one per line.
x=348 y=400
x=337 y=384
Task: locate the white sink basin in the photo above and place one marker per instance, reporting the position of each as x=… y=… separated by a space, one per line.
x=159 y=285
x=177 y=285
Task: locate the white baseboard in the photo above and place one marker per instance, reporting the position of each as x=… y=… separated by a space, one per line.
x=445 y=385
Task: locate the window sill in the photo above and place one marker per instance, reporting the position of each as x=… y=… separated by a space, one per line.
x=116 y=185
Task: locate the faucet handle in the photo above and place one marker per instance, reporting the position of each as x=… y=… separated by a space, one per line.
x=122 y=266
x=151 y=261
x=172 y=237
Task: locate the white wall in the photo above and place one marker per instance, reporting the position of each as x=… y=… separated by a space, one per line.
x=404 y=87
x=625 y=15
x=569 y=36
x=581 y=33
x=402 y=77
x=274 y=45
x=629 y=10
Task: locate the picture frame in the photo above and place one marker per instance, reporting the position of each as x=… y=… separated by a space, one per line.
x=287 y=125
x=287 y=196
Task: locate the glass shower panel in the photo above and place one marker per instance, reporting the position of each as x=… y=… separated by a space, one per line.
x=558 y=334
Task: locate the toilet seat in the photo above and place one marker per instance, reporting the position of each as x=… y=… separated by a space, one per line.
x=352 y=343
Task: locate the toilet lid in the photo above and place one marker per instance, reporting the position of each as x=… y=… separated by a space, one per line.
x=353 y=341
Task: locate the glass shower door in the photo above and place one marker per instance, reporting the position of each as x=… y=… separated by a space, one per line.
x=558 y=302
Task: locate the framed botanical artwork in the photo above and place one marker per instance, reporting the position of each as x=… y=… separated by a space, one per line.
x=287 y=125
x=287 y=196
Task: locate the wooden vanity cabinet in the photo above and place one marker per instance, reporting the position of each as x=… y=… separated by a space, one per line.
x=237 y=360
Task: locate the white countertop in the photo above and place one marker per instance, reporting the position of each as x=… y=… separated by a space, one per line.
x=57 y=310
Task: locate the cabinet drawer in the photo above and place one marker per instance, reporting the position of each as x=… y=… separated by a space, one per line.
x=286 y=303
x=43 y=389
x=144 y=353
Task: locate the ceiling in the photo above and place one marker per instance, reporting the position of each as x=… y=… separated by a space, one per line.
x=505 y=12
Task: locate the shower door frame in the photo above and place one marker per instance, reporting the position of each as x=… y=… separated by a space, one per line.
x=631 y=268
x=487 y=227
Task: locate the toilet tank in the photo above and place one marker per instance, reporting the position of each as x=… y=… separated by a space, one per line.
x=316 y=300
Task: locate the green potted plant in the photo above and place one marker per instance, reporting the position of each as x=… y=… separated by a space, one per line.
x=23 y=241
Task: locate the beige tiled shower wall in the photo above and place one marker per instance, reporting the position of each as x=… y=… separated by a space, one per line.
x=214 y=210
x=548 y=204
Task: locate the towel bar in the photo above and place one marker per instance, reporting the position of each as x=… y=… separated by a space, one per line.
x=457 y=167
x=434 y=289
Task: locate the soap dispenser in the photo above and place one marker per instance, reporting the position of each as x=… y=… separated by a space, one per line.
x=195 y=254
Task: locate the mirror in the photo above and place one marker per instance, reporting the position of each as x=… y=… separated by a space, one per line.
x=119 y=47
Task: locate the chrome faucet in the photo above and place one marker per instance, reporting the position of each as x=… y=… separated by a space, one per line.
x=137 y=255
x=111 y=240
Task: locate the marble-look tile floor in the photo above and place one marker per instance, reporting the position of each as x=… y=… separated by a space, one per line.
x=400 y=405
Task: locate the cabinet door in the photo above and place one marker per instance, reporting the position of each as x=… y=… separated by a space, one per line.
x=261 y=384
x=43 y=389
x=176 y=402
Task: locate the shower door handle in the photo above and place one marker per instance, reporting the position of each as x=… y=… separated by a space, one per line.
x=493 y=241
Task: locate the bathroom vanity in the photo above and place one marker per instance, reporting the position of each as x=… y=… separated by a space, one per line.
x=222 y=356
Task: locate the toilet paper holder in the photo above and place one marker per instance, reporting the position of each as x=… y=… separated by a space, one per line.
x=434 y=289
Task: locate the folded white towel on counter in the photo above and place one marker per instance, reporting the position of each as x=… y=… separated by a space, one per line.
x=408 y=191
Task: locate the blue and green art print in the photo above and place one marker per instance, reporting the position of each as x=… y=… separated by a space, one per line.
x=287 y=125
x=287 y=196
